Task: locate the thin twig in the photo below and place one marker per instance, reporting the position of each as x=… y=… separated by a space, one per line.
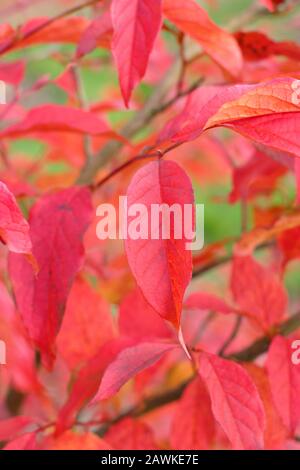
x=232 y=336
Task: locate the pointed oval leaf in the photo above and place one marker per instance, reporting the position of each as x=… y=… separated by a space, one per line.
x=135 y=24
x=57 y=225
x=162 y=267
x=236 y=403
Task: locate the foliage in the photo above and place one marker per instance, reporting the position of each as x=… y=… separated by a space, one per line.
x=145 y=344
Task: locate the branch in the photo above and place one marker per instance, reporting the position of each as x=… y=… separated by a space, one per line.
x=18 y=38
x=142 y=118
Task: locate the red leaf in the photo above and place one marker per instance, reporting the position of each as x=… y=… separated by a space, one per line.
x=193 y=425
x=98 y=32
x=275 y=432
x=190 y=18
x=42 y=31
x=58 y=223
x=130 y=434
x=258 y=292
x=87 y=325
x=136 y=24
x=14 y=229
x=236 y=404
x=205 y=301
x=162 y=268
x=57 y=118
x=256 y=45
x=138 y=320
x=129 y=362
x=284 y=379
x=268 y=114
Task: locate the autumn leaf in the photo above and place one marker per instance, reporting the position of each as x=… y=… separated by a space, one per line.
x=135 y=25
x=57 y=224
x=129 y=362
x=236 y=404
x=162 y=268
x=57 y=118
x=284 y=377
x=267 y=114
x=193 y=20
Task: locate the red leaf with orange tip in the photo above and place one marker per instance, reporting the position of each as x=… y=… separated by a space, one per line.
x=284 y=377
x=135 y=24
x=130 y=434
x=87 y=325
x=162 y=267
x=193 y=425
x=190 y=18
x=236 y=404
x=14 y=228
x=57 y=224
x=267 y=113
x=259 y=293
x=42 y=31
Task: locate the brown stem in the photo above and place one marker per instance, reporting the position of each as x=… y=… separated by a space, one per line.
x=141 y=119
x=232 y=335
